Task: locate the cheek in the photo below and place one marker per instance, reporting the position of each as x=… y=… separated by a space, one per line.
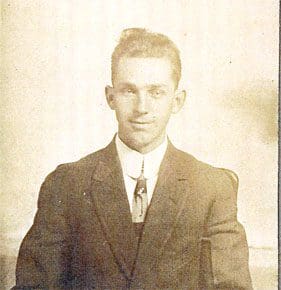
x=123 y=107
x=163 y=110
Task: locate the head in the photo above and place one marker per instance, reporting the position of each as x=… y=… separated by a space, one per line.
x=146 y=70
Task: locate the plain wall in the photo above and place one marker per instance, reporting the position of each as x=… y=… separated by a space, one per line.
x=54 y=67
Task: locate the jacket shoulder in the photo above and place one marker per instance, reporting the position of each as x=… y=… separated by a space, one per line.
x=86 y=163
x=204 y=173
x=75 y=174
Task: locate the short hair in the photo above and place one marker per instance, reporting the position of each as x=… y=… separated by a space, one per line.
x=139 y=42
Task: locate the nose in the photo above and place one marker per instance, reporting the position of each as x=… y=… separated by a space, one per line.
x=141 y=105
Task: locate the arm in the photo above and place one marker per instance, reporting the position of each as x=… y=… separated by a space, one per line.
x=44 y=253
x=229 y=249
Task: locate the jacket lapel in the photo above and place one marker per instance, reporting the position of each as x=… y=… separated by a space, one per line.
x=111 y=202
x=166 y=205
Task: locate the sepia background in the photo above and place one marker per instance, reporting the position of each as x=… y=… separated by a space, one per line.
x=55 y=63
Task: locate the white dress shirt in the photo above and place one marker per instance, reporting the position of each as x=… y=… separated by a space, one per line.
x=131 y=163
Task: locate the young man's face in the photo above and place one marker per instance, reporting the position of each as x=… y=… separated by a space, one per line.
x=143 y=97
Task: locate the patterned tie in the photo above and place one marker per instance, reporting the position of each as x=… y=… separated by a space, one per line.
x=140 y=202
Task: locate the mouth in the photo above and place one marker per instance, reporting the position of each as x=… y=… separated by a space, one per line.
x=140 y=123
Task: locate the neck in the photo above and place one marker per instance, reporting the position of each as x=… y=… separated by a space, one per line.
x=143 y=148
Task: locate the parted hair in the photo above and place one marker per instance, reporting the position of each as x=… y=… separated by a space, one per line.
x=139 y=42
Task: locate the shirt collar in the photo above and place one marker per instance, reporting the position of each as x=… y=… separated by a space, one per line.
x=131 y=160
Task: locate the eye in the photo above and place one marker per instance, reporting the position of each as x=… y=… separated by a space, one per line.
x=156 y=93
x=128 y=91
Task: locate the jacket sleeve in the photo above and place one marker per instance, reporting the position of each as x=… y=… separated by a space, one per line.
x=229 y=249
x=44 y=253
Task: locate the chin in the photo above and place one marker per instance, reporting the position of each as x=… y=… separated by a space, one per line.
x=140 y=142
x=137 y=143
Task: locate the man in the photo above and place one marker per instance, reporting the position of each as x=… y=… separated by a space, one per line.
x=138 y=214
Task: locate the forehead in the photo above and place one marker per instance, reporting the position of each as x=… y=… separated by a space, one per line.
x=144 y=71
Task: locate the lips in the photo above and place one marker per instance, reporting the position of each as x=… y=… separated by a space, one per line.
x=141 y=121
x=141 y=124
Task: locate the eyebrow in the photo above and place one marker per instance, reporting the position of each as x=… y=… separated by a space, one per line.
x=156 y=86
x=126 y=85
x=152 y=86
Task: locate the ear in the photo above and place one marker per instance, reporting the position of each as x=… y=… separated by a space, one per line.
x=109 y=92
x=178 y=102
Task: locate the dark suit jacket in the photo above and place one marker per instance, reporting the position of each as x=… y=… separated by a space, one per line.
x=83 y=237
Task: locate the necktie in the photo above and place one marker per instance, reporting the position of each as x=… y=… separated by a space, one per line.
x=140 y=202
